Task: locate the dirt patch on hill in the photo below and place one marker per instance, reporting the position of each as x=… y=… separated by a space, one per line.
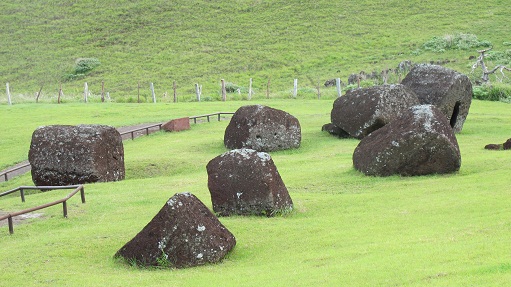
x=18 y=219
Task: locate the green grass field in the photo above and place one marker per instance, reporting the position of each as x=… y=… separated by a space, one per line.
x=347 y=229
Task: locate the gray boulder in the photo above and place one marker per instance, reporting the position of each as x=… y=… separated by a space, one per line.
x=263 y=129
x=362 y=111
x=448 y=90
x=419 y=142
x=246 y=182
x=184 y=233
x=67 y=155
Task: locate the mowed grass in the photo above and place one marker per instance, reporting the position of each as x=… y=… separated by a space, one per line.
x=347 y=229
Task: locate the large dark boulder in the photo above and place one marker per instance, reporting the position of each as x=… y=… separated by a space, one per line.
x=335 y=130
x=263 y=129
x=67 y=155
x=419 y=142
x=448 y=90
x=184 y=233
x=362 y=111
x=246 y=182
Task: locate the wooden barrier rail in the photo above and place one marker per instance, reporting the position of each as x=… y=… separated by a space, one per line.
x=22 y=194
x=132 y=133
x=194 y=118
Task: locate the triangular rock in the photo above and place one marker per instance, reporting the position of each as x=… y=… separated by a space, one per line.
x=184 y=233
x=247 y=182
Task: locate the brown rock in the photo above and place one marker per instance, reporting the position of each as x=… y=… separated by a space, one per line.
x=362 y=111
x=177 y=125
x=493 y=147
x=183 y=234
x=67 y=155
x=419 y=142
x=507 y=144
x=448 y=90
x=246 y=182
x=335 y=130
x=263 y=129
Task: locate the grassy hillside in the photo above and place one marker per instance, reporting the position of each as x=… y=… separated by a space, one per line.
x=190 y=42
x=347 y=229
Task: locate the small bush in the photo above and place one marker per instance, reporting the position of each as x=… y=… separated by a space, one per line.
x=458 y=41
x=82 y=67
x=495 y=92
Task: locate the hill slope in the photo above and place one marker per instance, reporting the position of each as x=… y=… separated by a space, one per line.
x=204 y=41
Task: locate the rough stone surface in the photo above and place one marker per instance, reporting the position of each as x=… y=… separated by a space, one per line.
x=507 y=144
x=263 y=129
x=246 y=182
x=66 y=155
x=362 y=111
x=184 y=233
x=177 y=125
x=419 y=142
x=493 y=147
x=335 y=130
x=448 y=90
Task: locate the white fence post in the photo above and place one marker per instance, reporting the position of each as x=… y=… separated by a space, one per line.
x=338 y=86
x=198 y=91
x=85 y=92
x=295 y=88
x=8 y=94
x=152 y=93
x=224 y=92
x=250 y=90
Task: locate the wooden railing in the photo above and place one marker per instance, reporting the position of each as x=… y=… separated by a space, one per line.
x=133 y=134
x=219 y=114
x=22 y=189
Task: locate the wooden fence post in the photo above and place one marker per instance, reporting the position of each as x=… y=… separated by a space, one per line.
x=198 y=91
x=338 y=86
x=224 y=92
x=250 y=90
x=102 y=91
x=152 y=93
x=175 y=94
x=319 y=93
x=295 y=88
x=8 y=94
x=268 y=89
x=60 y=94
x=38 y=94
x=85 y=91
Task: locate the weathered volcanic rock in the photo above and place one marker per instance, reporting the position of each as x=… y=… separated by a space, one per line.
x=177 y=125
x=184 y=233
x=507 y=144
x=335 y=130
x=263 y=129
x=66 y=155
x=448 y=90
x=419 y=142
x=246 y=182
x=493 y=147
x=362 y=111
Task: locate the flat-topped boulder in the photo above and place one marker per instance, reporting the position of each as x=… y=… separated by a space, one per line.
x=246 y=182
x=448 y=90
x=263 y=129
x=184 y=233
x=362 y=111
x=67 y=155
x=419 y=142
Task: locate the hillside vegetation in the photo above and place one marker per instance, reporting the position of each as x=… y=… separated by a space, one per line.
x=190 y=42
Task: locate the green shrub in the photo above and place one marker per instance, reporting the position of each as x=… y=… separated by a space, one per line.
x=495 y=92
x=85 y=65
x=457 y=41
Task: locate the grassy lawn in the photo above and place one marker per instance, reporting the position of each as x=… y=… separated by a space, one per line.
x=347 y=229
